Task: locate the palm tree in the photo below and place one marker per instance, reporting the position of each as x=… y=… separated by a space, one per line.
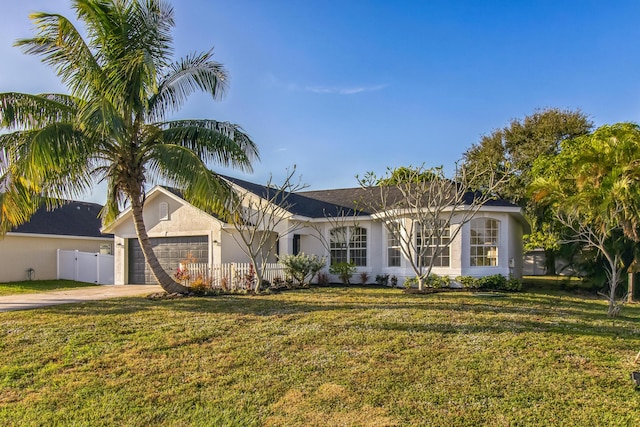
x=113 y=125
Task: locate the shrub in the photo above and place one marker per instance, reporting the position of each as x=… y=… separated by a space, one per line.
x=382 y=279
x=410 y=282
x=364 y=278
x=468 y=282
x=201 y=285
x=344 y=270
x=323 y=278
x=494 y=282
x=302 y=267
x=394 y=281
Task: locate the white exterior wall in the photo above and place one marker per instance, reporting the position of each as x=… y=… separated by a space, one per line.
x=21 y=251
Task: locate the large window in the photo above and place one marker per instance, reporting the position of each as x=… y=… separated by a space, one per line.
x=349 y=244
x=433 y=243
x=484 y=242
x=393 y=244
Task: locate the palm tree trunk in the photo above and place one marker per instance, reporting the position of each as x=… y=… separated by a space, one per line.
x=167 y=283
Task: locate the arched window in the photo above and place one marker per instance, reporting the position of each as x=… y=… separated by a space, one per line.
x=485 y=234
x=163 y=208
x=349 y=244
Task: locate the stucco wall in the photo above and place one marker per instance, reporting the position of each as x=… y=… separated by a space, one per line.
x=19 y=252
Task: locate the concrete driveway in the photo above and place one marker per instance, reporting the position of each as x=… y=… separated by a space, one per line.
x=70 y=296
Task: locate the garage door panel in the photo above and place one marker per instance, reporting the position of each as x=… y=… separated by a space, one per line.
x=170 y=251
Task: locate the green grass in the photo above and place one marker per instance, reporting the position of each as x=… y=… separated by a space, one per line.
x=324 y=356
x=35 y=286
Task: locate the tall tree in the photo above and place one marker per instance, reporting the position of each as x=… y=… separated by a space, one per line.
x=113 y=124
x=593 y=188
x=424 y=211
x=512 y=150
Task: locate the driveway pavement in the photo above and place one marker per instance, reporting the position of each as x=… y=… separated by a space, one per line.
x=70 y=296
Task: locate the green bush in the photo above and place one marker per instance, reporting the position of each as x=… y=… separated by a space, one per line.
x=344 y=270
x=382 y=279
x=496 y=282
x=468 y=282
x=432 y=281
x=302 y=267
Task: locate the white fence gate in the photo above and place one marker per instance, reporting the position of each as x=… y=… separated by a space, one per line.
x=86 y=267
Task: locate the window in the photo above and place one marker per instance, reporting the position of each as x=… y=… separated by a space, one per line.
x=163 y=211
x=484 y=242
x=393 y=244
x=433 y=242
x=349 y=244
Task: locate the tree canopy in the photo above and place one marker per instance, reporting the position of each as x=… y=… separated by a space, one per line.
x=592 y=186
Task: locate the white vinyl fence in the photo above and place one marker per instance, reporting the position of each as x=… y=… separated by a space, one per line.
x=85 y=267
x=232 y=276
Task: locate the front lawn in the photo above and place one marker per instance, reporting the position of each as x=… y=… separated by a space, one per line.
x=34 y=286
x=324 y=356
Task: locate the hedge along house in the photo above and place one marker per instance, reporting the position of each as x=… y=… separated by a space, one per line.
x=30 y=250
x=327 y=223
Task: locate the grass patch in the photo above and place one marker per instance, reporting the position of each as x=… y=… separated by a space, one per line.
x=34 y=286
x=322 y=356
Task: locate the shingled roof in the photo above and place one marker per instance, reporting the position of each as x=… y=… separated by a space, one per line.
x=302 y=204
x=70 y=219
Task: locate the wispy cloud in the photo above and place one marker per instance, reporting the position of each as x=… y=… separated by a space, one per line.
x=336 y=90
x=352 y=90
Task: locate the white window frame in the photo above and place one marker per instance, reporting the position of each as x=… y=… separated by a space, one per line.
x=348 y=245
x=441 y=241
x=163 y=211
x=484 y=242
x=394 y=250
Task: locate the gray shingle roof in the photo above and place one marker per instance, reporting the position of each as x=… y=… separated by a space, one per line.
x=300 y=203
x=70 y=219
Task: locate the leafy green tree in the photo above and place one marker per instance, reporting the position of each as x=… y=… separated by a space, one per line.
x=593 y=187
x=512 y=151
x=113 y=124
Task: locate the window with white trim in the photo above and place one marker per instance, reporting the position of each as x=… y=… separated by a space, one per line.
x=432 y=241
x=348 y=244
x=163 y=208
x=484 y=242
x=393 y=244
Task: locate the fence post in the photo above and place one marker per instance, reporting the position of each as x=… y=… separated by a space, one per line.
x=76 y=266
x=58 y=264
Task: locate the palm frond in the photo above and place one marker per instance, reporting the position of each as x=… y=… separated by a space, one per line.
x=224 y=143
x=182 y=168
x=196 y=72
x=26 y=111
x=62 y=47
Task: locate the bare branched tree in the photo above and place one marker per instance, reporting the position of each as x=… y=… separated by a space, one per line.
x=424 y=211
x=260 y=216
x=598 y=238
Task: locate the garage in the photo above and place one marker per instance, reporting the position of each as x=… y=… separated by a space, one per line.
x=170 y=251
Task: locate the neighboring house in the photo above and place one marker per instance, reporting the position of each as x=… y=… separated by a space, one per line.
x=30 y=250
x=331 y=227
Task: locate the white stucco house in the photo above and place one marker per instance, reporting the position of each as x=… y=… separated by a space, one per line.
x=491 y=243
x=29 y=251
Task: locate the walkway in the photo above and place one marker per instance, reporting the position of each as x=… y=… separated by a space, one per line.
x=70 y=296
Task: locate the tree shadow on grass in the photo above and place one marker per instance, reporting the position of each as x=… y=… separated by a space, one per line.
x=525 y=313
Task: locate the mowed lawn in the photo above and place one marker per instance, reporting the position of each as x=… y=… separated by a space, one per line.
x=35 y=286
x=322 y=357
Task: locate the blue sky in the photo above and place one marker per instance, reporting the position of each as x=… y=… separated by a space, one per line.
x=344 y=87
